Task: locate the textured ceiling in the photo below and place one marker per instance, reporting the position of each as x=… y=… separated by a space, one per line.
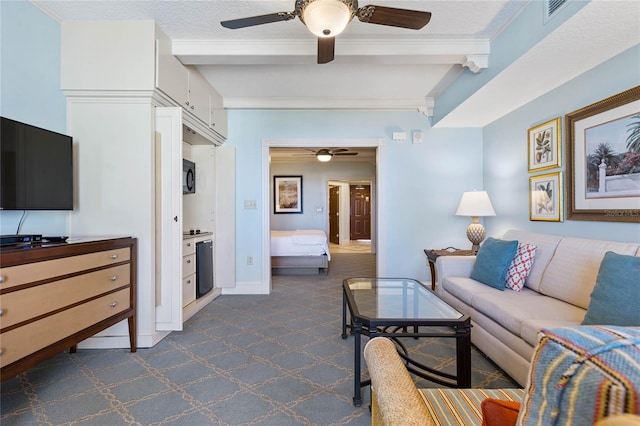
x=375 y=67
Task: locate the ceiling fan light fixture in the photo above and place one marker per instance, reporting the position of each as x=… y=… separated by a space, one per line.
x=324 y=156
x=326 y=18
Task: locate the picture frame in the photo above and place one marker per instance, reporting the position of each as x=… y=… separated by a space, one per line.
x=545 y=197
x=544 y=142
x=603 y=155
x=287 y=194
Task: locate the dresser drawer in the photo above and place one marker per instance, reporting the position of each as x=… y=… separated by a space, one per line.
x=24 y=274
x=21 y=305
x=22 y=341
x=188 y=289
x=188 y=246
x=188 y=265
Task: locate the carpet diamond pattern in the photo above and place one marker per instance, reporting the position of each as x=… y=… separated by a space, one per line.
x=273 y=359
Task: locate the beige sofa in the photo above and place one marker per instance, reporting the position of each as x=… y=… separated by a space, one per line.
x=556 y=294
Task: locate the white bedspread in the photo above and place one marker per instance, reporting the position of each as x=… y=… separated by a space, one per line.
x=302 y=242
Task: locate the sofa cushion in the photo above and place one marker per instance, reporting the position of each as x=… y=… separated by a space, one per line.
x=462 y=406
x=530 y=328
x=466 y=288
x=492 y=262
x=545 y=248
x=571 y=274
x=520 y=266
x=582 y=374
x=615 y=299
x=510 y=309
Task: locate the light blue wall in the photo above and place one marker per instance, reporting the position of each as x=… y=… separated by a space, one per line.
x=422 y=183
x=505 y=151
x=30 y=92
x=525 y=31
x=315 y=178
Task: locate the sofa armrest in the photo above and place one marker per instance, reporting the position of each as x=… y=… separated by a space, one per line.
x=395 y=399
x=454 y=266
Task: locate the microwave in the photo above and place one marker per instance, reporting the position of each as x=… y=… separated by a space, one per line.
x=188 y=177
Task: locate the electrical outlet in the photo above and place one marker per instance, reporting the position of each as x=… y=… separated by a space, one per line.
x=250 y=204
x=249 y=260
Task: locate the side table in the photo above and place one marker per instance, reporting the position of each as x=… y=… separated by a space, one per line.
x=433 y=254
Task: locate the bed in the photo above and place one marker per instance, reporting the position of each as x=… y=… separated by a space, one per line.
x=299 y=252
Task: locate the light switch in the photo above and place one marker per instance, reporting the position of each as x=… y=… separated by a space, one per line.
x=250 y=204
x=399 y=136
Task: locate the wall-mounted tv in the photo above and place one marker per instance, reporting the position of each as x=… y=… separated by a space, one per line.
x=36 y=168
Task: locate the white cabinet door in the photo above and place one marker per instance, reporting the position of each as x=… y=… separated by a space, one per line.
x=218 y=115
x=168 y=152
x=199 y=95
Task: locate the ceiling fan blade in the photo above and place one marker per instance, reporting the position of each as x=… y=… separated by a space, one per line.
x=339 y=150
x=326 y=49
x=257 y=20
x=393 y=17
x=346 y=153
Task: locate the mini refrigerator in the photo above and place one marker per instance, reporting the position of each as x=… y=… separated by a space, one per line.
x=204 y=267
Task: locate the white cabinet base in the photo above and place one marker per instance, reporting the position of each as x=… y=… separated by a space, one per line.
x=194 y=307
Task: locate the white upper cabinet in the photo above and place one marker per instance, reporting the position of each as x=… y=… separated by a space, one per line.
x=134 y=56
x=108 y=55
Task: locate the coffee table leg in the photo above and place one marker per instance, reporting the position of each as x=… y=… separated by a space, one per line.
x=463 y=355
x=357 y=394
x=344 y=316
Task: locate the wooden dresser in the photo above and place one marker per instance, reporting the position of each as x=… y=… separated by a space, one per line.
x=54 y=296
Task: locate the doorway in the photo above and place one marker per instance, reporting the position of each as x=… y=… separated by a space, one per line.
x=351 y=215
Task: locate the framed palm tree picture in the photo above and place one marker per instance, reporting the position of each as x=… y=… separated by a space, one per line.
x=603 y=154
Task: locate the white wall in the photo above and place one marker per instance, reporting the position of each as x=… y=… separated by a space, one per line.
x=505 y=157
x=423 y=183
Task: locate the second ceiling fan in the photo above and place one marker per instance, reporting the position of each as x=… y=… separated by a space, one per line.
x=328 y=18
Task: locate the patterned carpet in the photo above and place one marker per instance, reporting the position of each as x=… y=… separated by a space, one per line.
x=273 y=359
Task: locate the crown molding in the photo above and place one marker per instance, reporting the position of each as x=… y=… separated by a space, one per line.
x=422 y=104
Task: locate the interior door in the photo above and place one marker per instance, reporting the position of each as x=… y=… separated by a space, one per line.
x=360 y=220
x=334 y=214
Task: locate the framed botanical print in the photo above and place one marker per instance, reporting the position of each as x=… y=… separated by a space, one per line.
x=545 y=200
x=287 y=194
x=603 y=155
x=544 y=145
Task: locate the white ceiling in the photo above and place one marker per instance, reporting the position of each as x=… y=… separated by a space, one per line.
x=274 y=65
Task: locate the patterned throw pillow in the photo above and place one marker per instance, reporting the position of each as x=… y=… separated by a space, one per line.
x=582 y=374
x=520 y=266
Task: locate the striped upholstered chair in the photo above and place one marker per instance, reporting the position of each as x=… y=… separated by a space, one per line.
x=579 y=375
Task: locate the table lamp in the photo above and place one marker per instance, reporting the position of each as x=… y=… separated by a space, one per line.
x=475 y=204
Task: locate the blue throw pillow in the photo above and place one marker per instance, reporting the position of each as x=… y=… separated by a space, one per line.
x=492 y=262
x=615 y=299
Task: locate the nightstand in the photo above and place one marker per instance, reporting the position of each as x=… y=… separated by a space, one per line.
x=433 y=254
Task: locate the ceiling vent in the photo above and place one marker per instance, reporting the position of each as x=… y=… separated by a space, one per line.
x=553 y=6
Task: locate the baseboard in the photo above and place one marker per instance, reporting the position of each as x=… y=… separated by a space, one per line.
x=247 y=287
x=116 y=342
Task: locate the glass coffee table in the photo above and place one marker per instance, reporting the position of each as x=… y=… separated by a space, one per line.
x=404 y=308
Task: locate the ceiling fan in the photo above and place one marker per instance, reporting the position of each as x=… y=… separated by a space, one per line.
x=326 y=154
x=328 y=18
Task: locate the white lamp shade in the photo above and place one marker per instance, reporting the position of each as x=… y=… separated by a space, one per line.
x=326 y=18
x=475 y=203
x=324 y=157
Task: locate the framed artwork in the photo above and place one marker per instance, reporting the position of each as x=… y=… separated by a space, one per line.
x=545 y=201
x=287 y=194
x=544 y=145
x=603 y=152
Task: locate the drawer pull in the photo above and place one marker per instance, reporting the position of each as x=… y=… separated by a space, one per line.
x=1 y=351
x=188 y=281
x=1 y=312
x=188 y=244
x=114 y=304
x=1 y=278
x=113 y=278
x=188 y=260
x=114 y=256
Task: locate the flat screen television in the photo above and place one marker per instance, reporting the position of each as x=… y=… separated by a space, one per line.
x=36 y=168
